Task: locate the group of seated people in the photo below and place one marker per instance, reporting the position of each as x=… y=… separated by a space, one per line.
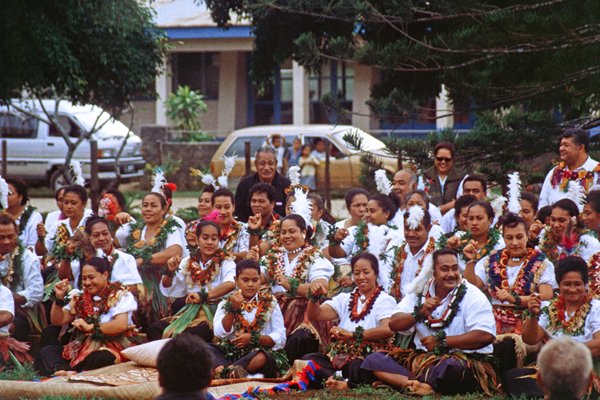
x=386 y=297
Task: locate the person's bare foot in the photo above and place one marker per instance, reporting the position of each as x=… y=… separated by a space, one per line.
x=334 y=384
x=418 y=388
x=379 y=384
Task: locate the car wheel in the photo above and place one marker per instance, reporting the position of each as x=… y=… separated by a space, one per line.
x=58 y=180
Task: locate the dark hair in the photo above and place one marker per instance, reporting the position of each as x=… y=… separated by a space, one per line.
x=6 y=220
x=318 y=140
x=462 y=202
x=20 y=186
x=368 y=257
x=119 y=197
x=593 y=199
x=571 y=264
x=93 y=220
x=207 y=189
x=61 y=189
x=544 y=213
x=163 y=201
x=512 y=220
x=486 y=206
x=300 y=223
x=79 y=191
x=320 y=203
x=204 y=223
x=222 y=192
x=352 y=193
x=531 y=199
x=579 y=136
x=477 y=178
x=444 y=145
x=100 y=264
x=305 y=146
x=386 y=203
x=248 y=263
x=421 y=193
x=443 y=252
x=185 y=364
x=263 y=187
x=568 y=205
x=426 y=217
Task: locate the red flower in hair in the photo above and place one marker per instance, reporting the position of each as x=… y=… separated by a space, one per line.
x=171 y=186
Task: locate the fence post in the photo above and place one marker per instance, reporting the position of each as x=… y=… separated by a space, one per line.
x=327 y=176
x=4 y=158
x=247 y=156
x=159 y=145
x=94 y=175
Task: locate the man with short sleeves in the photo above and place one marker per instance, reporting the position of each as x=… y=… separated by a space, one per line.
x=454 y=330
x=473 y=185
x=266 y=171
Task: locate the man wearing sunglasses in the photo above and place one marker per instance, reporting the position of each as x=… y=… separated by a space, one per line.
x=442 y=179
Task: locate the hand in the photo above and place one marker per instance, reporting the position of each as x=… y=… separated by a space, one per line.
x=255 y=221
x=454 y=242
x=430 y=304
x=241 y=340
x=122 y=218
x=60 y=289
x=191 y=239
x=283 y=280
x=340 y=333
x=193 y=298
x=173 y=263
x=534 y=304
x=346 y=281
x=340 y=234
x=236 y=299
x=41 y=231
x=70 y=247
x=429 y=342
x=318 y=287
x=470 y=251
x=504 y=295
x=253 y=253
x=83 y=326
x=535 y=228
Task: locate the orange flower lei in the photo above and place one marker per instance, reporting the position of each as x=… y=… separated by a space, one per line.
x=557 y=316
x=275 y=262
x=526 y=278
x=398 y=266
x=194 y=273
x=594 y=272
x=561 y=177
x=264 y=306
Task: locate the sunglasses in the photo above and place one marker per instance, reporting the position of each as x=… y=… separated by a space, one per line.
x=443 y=159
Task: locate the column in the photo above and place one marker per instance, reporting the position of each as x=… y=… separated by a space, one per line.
x=162 y=92
x=301 y=101
x=364 y=79
x=443 y=110
x=228 y=81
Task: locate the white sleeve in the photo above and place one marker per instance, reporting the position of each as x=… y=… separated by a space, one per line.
x=33 y=281
x=548 y=276
x=126 y=304
x=218 y=329
x=594 y=317
x=174 y=238
x=7 y=302
x=243 y=242
x=122 y=234
x=30 y=230
x=126 y=270
x=478 y=314
x=448 y=221
x=227 y=271
x=385 y=307
x=480 y=270
x=543 y=320
x=339 y=303
x=435 y=213
x=546 y=189
x=348 y=243
x=49 y=242
x=178 y=287
x=322 y=268
x=276 y=328
x=407 y=304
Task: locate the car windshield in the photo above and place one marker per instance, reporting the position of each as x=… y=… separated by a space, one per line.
x=369 y=143
x=112 y=127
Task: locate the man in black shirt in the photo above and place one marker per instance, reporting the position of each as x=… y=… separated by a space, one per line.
x=266 y=171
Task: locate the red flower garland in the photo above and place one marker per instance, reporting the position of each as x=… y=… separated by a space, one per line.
x=355 y=316
x=561 y=177
x=398 y=267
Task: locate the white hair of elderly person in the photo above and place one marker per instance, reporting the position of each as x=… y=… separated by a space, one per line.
x=565 y=369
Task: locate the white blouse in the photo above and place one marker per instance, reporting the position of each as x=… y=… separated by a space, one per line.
x=29 y=234
x=383 y=308
x=124 y=269
x=591 y=326
x=174 y=238
x=321 y=268
x=474 y=313
x=273 y=327
x=180 y=286
x=7 y=303
x=546 y=277
x=126 y=304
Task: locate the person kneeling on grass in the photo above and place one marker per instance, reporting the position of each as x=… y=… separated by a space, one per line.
x=454 y=331
x=250 y=327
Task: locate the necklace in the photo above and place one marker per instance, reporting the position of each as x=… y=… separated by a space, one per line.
x=355 y=316
x=527 y=277
x=295 y=251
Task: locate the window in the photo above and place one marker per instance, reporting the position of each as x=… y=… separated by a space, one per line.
x=68 y=124
x=13 y=126
x=332 y=78
x=238 y=146
x=334 y=151
x=199 y=71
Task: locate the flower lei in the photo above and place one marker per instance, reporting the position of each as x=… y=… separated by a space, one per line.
x=528 y=274
x=557 y=317
x=275 y=263
x=61 y=239
x=355 y=316
x=427 y=184
x=230 y=235
x=14 y=258
x=139 y=248
x=549 y=244
x=561 y=177
x=594 y=273
x=361 y=237
x=458 y=293
x=108 y=207
x=398 y=266
x=357 y=347
x=195 y=275
x=493 y=239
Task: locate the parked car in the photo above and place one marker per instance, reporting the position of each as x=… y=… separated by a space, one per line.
x=345 y=159
x=36 y=150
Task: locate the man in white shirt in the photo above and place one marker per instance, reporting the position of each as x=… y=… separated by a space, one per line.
x=474 y=185
x=575 y=165
x=455 y=328
x=20 y=272
x=404 y=182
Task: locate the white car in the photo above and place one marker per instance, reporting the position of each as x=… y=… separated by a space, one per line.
x=36 y=150
x=345 y=159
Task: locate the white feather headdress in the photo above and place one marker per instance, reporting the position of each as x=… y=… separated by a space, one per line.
x=302 y=205
x=294 y=176
x=514 y=193
x=382 y=182
x=421 y=281
x=420 y=183
x=158 y=180
x=223 y=180
x=498 y=205
x=77 y=173
x=3 y=193
x=577 y=194
x=415 y=216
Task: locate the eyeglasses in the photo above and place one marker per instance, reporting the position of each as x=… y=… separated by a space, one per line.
x=443 y=159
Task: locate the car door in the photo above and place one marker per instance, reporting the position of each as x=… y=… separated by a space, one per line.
x=340 y=166
x=25 y=151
